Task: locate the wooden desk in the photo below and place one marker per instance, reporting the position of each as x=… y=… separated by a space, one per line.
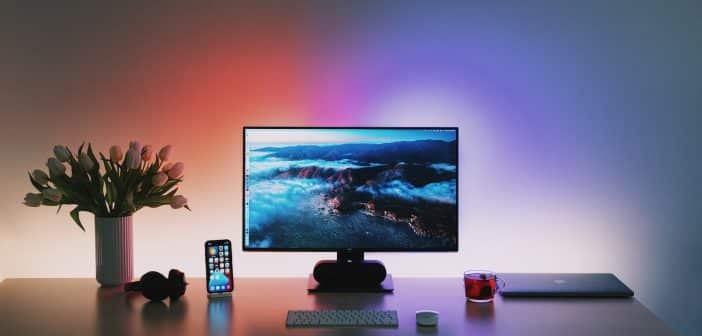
x=259 y=307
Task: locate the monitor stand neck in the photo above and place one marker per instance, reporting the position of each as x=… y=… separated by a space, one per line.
x=345 y=256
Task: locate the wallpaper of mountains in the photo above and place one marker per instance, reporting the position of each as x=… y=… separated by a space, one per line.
x=382 y=195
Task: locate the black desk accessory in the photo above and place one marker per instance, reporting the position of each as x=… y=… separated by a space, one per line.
x=350 y=273
x=155 y=287
x=386 y=286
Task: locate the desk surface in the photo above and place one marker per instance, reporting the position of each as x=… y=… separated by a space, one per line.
x=259 y=307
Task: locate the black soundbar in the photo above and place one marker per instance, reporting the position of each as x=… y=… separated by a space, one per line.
x=363 y=273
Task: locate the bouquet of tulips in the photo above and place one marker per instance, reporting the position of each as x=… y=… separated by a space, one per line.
x=127 y=182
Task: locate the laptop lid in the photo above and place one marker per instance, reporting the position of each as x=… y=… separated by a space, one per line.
x=563 y=285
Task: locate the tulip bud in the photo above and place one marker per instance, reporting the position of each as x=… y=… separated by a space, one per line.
x=167 y=166
x=40 y=177
x=85 y=162
x=147 y=153
x=132 y=160
x=176 y=171
x=56 y=167
x=135 y=145
x=116 y=154
x=51 y=194
x=61 y=153
x=33 y=200
x=179 y=201
x=165 y=153
x=159 y=179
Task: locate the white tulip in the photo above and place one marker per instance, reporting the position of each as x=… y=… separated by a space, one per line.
x=132 y=160
x=135 y=145
x=33 y=200
x=147 y=153
x=179 y=201
x=165 y=153
x=62 y=153
x=116 y=154
x=159 y=179
x=56 y=167
x=51 y=194
x=176 y=171
x=40 y=177
x=85 y=162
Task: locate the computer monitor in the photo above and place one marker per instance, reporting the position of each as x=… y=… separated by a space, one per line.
x=350 y=189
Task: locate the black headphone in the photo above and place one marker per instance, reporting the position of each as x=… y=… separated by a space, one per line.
x=155 y=287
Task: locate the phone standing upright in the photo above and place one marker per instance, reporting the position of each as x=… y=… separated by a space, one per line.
x=218 y=266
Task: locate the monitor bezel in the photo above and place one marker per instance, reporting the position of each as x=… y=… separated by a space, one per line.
x=348 y=249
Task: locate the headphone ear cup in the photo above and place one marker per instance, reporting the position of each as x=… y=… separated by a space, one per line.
x=177 y=283
x=154 y=286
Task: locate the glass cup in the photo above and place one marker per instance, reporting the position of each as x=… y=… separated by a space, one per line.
x=481 y=286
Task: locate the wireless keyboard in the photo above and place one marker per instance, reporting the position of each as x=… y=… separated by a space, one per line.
x=341 y=318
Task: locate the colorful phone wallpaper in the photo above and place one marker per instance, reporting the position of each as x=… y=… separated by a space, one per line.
x=219 y=267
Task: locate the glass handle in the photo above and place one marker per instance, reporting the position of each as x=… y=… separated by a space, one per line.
x=500 y=283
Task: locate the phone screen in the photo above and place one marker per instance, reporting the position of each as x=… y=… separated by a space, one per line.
x=218 y=266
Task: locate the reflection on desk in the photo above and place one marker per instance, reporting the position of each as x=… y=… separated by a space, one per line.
x=259 y=307
x=135 y=314
x=219 y=315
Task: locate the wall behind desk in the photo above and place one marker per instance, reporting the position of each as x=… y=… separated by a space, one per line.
x=579 y=125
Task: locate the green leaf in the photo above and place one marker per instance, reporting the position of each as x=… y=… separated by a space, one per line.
x=69 y=151
x=68 y=190
x=76 y=217
x=164 y=188
x=153 y=168
x=109 y=165
x=71 y=157
x=109 y=192
x=172 y=193
x=35 y=183
x=129 y=201
x=94 y=185
x=92 y=157
x=49 y=202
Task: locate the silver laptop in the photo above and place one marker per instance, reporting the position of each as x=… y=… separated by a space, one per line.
x=563 y=285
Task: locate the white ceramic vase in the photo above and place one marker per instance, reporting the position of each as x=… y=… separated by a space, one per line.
x=114 y=262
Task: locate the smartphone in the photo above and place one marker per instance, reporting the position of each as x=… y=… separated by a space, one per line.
x=218 y=266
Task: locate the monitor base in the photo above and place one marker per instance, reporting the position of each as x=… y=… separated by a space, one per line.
x=384 y=287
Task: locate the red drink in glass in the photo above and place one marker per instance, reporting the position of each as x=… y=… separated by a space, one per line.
x=480 y=286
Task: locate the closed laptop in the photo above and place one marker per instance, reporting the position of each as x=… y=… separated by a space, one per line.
x=563 y=285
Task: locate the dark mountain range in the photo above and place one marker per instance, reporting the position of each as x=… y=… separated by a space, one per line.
x=417 y=175
x=420 y=151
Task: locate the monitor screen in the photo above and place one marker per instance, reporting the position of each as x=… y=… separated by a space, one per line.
x=330 y=189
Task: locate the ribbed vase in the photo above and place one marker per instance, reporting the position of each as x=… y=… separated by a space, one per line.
x=114 y=263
